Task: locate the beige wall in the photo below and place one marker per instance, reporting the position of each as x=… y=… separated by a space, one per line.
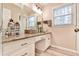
x=62 y=36
x=47 y=12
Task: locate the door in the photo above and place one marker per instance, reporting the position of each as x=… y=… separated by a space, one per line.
x=77 y=26
x=64 y=23
x=67 y=36
x=76 y=30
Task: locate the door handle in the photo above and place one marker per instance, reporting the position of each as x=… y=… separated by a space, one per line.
x=76 y=30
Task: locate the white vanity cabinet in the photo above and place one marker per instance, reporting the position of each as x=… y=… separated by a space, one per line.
x=19 y=48
x=26 y=46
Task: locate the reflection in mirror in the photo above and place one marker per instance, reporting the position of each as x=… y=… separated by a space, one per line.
x=11 y=14
x=32 y=23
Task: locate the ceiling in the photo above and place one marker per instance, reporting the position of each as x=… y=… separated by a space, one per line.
x=43 y=5
x=28 y=6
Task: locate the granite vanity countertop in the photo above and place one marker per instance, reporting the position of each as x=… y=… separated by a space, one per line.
x=23 y=36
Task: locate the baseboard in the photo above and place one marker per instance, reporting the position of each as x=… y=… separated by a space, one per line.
x=65 y=49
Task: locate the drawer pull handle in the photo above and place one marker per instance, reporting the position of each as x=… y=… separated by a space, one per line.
x=24 y=54
x=23 y=44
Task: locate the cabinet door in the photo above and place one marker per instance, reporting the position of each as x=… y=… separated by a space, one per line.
x=28 y=50
x=10 y=47
x=20 y=52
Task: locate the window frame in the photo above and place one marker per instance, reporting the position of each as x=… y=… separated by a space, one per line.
x=60 y=7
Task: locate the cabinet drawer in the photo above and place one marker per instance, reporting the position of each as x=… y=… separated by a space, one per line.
x=28 y=50
x=16 y=45
x=20 y=52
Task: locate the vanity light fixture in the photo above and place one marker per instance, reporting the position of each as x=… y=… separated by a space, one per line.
x=37 y=9
x=34 y=7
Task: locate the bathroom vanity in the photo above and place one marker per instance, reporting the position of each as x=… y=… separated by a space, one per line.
x=24 y=45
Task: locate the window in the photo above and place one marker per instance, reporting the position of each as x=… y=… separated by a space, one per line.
x=63 y=15
x=31 y=22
